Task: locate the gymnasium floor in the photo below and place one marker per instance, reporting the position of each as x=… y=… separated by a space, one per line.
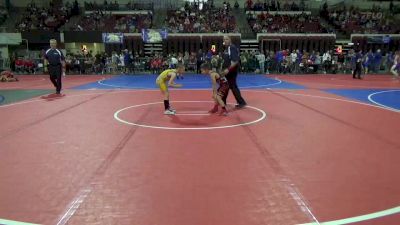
x=320 y=149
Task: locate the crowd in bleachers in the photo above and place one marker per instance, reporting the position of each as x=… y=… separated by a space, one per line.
x=115 y=6
x=42 y=18
x=274 y=5
x=117 y=62
x=55 y=16
x=279 y=62
x=106 y=22
x=85 y=63
x=96 y=20
x=301 y=23
x=128 y=62
x=125 y=62
x=285 y=61
x=193 y=18
x=353 y=20
x=105 y=6
x=299 y=62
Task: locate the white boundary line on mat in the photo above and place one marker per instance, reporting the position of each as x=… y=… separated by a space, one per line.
x=375 y=215
x=101 y=82
x=116 y=116
x=380 y=104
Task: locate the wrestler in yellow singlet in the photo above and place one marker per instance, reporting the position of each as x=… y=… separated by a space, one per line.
x=165 y=80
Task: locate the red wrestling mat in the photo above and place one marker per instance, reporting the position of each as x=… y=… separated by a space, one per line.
x=313 y=157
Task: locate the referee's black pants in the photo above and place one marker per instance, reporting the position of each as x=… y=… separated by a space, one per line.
x=231 y=77
x=55 y=76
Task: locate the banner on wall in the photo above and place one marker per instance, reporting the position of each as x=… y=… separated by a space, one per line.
x=154 y=36
x=379 y=39
x=113 y=38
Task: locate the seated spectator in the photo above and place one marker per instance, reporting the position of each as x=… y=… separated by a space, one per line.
x=274 y=5
x=192 y=19
x=354 y=20
x=243 y=62
x=103 y=21
x=156 y=64
x=114 y=6
x=51 y=18
x=29 y=66
x=68 y=63
x=216 y=62
x=268 y=23
x=192 y=65
x=19 y=65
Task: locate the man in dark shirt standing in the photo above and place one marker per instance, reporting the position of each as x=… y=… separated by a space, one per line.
x=55 y=65
x=358 y=66
x=231 y=66
x=200 y=60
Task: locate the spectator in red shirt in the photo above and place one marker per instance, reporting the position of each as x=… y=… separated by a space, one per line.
x=153 y=65
x=29 y=66
x=19 y=65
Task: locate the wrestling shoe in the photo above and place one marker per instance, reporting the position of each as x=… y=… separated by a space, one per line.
x=223 y=112
x=169 y=112
x=214 y=110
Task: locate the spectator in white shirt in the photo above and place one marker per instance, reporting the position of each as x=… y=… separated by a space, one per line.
x=326 y=61
x=294 y=64
x=173 y=62
x=261 y=61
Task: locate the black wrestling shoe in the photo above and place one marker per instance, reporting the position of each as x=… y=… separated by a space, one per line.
x=239 y=106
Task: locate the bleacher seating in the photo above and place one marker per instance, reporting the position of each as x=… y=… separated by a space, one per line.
x=107 y=22
x=192 y=19
x=285 y=23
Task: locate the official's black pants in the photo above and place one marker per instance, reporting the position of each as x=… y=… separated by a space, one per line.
x=231 y=77
x=55 y=76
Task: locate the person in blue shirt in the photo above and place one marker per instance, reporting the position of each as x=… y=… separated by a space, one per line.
x=209 y=56
x=389 y=60
x=377 y=61
x=231 y=65
x=127 y=61
x=55 y=61
x=279 y=59
x=368 y=61
x=299 y=56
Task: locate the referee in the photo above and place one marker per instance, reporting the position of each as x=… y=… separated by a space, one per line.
x=55 y=61
x=231 y=66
